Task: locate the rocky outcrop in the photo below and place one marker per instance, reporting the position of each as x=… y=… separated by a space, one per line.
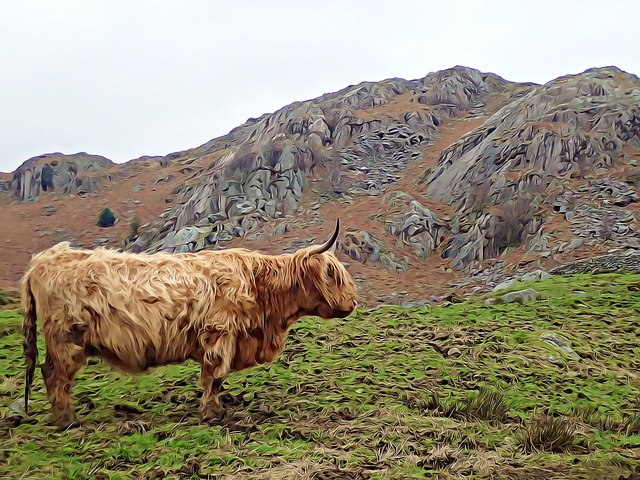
x=597 y=210
x=263 y=168
x=420 y=228
x=77 y=174
x=364 y=247
x=5 y=183
x=502 y=177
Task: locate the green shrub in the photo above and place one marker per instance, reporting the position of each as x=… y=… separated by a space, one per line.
x=107 y=218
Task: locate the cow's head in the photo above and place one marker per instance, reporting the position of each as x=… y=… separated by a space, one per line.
x=328 y=289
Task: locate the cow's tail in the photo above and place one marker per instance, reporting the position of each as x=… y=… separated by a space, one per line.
x=29 y=338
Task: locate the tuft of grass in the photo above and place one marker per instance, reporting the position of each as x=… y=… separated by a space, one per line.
x=9 y=298
x=548 y=434
x=488 y=405
x=135 y=225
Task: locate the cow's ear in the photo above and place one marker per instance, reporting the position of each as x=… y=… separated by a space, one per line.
x=330 y=244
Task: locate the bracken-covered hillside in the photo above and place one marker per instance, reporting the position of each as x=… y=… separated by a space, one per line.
x=453 y=181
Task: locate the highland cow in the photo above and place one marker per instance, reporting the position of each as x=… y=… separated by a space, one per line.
x=228 y=310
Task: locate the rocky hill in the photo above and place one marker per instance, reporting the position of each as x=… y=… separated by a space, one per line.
x=452 y=182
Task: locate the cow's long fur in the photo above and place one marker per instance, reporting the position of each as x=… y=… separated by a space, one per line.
x=228 y=309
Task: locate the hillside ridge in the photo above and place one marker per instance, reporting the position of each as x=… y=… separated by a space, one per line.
x=450 y=182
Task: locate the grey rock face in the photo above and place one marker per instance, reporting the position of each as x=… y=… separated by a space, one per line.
x=268 y=161
x=66 y=174
x=364 y=247
x=17 y=406
x=421 y=228
x=527 y=277
x=506 y=284
x=499 y=177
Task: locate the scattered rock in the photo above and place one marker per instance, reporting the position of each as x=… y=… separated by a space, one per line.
x=526 y=277
x=421 y=228
x=535 y=275
x=576 y=243
x=561 y=343
x=417 y=303
x=521 y=296
x=506 y=284
x=49 y=210
x=166 y=178
x=454 y=352
x=101 y=241
x=17 y=406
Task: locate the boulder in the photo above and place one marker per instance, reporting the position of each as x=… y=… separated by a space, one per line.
x=77 y=174
x=49 y=210
x=521 y=296
x=364 y=247
x=560 y=343
x=420 y=228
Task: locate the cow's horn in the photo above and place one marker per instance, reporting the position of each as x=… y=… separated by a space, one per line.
x=329 y=243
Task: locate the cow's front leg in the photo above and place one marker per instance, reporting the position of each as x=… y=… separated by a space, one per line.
x=218 y=351
x=210 y=407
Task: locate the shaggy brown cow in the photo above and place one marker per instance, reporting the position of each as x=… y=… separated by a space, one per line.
x=228 y=310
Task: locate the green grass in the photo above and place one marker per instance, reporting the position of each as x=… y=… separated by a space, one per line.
x=9 y=299
x=463 y=391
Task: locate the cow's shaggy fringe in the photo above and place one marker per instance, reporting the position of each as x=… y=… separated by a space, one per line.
x=228 y=309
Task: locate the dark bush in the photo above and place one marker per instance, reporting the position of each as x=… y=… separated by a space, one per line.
x=107 y=219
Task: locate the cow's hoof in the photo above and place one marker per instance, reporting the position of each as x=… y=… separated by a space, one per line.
x=212 y=420
x=66 y=421
x=68 y=426
x=211 y=416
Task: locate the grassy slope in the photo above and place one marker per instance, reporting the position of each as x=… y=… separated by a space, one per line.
x=390 y=393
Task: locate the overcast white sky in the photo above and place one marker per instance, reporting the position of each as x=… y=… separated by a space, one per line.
x=130 y=78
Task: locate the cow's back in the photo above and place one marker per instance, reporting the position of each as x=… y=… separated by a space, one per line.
x=140 y=309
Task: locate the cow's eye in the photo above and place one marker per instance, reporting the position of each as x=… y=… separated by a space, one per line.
x=330 y=273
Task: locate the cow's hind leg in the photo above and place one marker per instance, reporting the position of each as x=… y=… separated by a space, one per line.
x=62 y=362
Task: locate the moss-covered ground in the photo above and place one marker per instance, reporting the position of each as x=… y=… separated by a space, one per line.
x=461 y=391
